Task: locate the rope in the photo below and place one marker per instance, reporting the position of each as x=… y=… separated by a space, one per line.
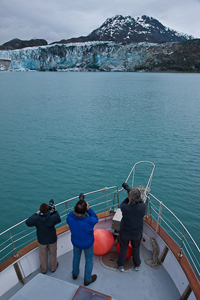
x=154 y=259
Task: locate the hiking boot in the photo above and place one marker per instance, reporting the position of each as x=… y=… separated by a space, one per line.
x=94 y=277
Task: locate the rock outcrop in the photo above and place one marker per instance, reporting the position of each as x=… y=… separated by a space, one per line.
x=19 y=44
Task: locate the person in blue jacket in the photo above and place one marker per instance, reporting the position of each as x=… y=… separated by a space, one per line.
x=44 y=221
x=81 y=222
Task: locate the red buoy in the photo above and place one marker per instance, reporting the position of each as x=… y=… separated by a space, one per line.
x=129 y=250
x=103 y=241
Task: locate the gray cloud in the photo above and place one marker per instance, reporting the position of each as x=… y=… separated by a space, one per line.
x=54 y=20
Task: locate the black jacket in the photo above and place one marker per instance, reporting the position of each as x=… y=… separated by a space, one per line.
x=132 y=217
x=45 y=224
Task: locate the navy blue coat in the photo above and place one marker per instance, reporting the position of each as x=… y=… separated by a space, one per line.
x=82 y=228
x=45 y=224
x=132 y=217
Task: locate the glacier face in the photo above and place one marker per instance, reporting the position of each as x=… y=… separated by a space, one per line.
x=102 y=56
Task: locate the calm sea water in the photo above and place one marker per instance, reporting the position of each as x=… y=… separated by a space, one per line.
x=66 y=133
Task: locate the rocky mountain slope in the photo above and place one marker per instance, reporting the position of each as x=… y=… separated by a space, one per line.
x=127 y=30
x=19 y=44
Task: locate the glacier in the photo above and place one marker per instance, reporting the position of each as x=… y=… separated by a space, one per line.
x=105 y=56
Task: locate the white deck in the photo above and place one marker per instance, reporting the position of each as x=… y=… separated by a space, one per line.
x=147 y=283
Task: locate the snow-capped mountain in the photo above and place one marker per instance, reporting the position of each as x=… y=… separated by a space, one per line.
x=121 y=29
x=143 y=29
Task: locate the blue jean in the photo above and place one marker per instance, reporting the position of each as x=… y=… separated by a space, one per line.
x=89 y=253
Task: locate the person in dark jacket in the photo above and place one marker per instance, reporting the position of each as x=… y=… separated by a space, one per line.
x=45 y=222
x=131 y=227
x=81 y=222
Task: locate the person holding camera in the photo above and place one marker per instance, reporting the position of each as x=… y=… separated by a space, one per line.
x=131 y=227
x=81 y=222
x=44 y=221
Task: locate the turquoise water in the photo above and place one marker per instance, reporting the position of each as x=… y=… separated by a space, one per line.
x=66 y=133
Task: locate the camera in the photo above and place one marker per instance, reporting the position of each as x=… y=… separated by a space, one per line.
x=51 y=205
x=81 y=196
x=126 y=187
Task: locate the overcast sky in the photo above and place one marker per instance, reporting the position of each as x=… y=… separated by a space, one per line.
x=54 y=20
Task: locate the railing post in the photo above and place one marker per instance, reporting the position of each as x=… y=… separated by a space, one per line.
x=181 y=247
x=66 y=208
x=105 y=197
x=159 y=217
x=113 y=203
x=105 y=200
x=117 y=197
x=150 y=211
x=148 y=203
x=16 y=254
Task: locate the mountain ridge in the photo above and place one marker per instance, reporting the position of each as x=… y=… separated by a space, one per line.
x=118 y=29
x=127 y=30
x=20 y=44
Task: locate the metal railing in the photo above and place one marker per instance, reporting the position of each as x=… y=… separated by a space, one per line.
x=176 y=230
x=107 y=199
x=19 y=235
x=144 y=189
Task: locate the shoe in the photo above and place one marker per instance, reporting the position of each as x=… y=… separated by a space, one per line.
x=42 y=270
x=94 y=277
x=74 y=276
x=55 y=268
x=121 y=268
x=137 y=268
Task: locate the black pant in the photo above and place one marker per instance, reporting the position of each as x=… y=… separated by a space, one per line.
x=135 y=242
